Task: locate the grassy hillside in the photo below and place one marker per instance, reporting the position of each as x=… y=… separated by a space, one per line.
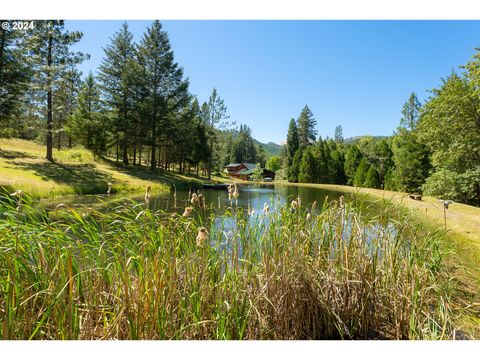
x=23 y=166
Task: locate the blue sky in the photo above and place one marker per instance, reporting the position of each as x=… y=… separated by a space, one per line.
x=356 y=74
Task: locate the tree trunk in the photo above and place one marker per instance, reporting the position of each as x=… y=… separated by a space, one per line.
x=135 y=152
x=49 y=102
x=153 y=160
x=59 y=135
x=116 y=147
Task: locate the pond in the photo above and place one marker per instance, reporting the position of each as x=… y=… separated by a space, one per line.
x=251 y=196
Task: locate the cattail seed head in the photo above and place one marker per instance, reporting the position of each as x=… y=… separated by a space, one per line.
x=188 y=211
x=202 y=236
x=294 y=204
x=341 y=202
x=17 y=193
x=266 y=208
x=201 y=201
x=194 y=198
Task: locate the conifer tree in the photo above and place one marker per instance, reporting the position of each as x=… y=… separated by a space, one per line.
x=117 y=87
x=50 y=57
x=306 y=128
x=166 y=90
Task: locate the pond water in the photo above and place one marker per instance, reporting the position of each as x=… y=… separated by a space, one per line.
x=253 y=196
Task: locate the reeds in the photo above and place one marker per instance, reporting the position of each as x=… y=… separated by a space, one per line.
x=328 y=274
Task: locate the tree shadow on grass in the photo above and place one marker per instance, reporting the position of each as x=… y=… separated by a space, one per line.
x=169 y=178
x=12 y=154
x=84 y=179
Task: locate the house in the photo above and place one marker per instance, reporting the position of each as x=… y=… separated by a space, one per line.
x=245 y=171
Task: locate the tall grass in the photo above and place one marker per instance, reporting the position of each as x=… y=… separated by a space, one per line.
x=131 y=273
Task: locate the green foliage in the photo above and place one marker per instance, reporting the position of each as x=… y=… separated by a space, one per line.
x=14 y=77
x=450 y=127
x=88 y=125
x=50 y=61
x=308 y=167
x=353 y=157
x=294 y=170
x=292 y=143
x=274 y=163
x=306 y=128
x=409 y=154
x=371 y=178
x=361 y=173
x=339 y=134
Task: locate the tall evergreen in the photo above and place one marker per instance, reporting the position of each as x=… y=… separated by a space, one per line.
x=409 y=154
x=215 y=115
x=87 y=124
x=292 y=145
x=306 y=128
x=50 y=57
x=339 y=134
x=117 y=86
x=14 y=76
x=167 y=91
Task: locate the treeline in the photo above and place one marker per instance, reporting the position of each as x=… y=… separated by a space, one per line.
x=136 y=110
x=435 y=150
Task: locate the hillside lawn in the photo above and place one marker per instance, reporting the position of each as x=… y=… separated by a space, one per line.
x=23 y=166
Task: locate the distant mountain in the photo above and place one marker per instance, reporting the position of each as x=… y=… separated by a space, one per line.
x=270 y=148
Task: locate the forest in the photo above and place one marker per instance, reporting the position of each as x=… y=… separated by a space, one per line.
x=138 y=110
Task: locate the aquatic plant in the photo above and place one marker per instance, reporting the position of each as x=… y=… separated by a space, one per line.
x=131 y=273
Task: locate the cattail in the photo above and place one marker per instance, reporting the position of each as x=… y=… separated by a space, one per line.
x=314 y=205
x=294 y=204
x=194 y=199
x=266 y=208
x=18 y=194
x=235 y=191
x=341 y=202
x=60 y=206
x=147 y=195
x=109 y=188
x=309 y=216
x=299 y=201
x=202 y=236
x=188 y=211
x=201 y=201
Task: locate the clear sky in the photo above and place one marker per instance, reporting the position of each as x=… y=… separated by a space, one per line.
x=356 y=74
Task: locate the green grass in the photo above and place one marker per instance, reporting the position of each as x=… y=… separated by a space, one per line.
x=23 y=166
x=131 y=273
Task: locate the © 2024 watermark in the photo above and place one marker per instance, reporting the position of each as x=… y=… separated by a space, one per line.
x=18 y=25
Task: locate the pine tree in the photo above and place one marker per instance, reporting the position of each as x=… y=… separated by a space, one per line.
x=48 y=46
x=292 y=142
x=14 y=77
x=167 y=91
x=295 y=168
x=339 y=134
x=87 y=124
x=410 y=156
x=215 y=114
x=117 y=87
x=308 y=167
x=306 y=128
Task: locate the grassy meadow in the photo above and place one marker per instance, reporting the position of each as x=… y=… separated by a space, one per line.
x=23 y=166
